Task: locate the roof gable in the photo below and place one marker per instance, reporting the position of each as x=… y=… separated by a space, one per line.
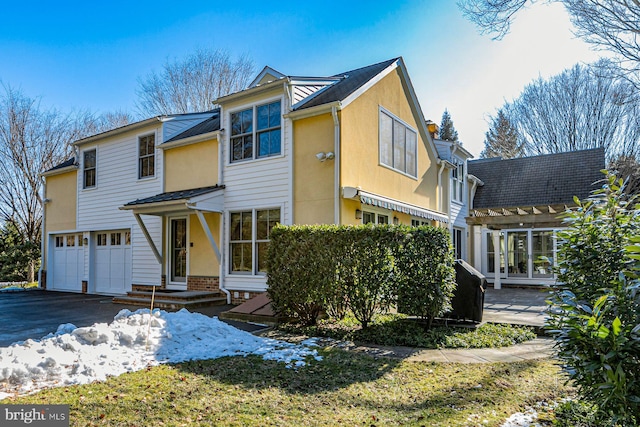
x=549 y=179
x=267 y=75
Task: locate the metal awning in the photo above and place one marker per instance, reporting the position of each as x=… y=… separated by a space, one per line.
x=196 y=200
x=391 y=204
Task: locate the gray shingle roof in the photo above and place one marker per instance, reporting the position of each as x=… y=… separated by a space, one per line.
x=210 y=125
x=350 y=82
x=176 y=195
x=66 y=163
x=540 y=180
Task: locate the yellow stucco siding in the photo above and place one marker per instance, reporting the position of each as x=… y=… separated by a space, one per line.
x=313 y=181
x=202 y=258
x=191 y=166
x=61 y=209
x=360 y=146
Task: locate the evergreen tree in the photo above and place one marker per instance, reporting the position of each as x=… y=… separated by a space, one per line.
x=502 y=139
x=447 y=131
x=18 y=256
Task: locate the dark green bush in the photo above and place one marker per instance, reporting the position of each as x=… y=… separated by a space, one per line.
x=595 y=316
x=359 y=269
x=426 y=281
x=301 y=269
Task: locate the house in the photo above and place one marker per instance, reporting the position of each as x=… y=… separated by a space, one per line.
x=186 y=202
x=515 y=208
x=454 y=158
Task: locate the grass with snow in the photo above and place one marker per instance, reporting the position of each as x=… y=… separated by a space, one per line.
x=342 y=389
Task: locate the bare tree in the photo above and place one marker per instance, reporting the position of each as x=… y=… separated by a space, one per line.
x=612 y=25
x=32 y=140
x=577 y=109
x=190 y=85
x=627 y=168
x=502 y=139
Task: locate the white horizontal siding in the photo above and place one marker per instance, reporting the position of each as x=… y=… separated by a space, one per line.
x=117 y=183
x=174 y=126
x=301 y=92
x=458 y=214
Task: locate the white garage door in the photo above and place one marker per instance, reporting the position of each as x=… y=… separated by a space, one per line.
x=112 y=262
x=68 y=263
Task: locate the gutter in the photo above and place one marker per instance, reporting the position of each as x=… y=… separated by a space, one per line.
x=221 y=162
x=190 y=140
x=336 y=165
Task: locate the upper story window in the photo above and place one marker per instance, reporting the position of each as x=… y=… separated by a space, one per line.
x=263 y=139
x=89 y=169
x=457 y=182
x=398 y=145
x=146 y=156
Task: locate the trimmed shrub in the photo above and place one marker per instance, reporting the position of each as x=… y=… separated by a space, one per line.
x=426 y=277
x=301 y=270
x=595 y=316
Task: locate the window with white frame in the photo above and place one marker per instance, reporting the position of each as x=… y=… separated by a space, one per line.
x=89 y=169
x=457 y=240
x=374 y=218
x=146 y=156
x=398 y=144
x=457 y=182
x=259 y=141
x=249 y=239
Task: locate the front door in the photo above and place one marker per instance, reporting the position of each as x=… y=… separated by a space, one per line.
x=178 y=254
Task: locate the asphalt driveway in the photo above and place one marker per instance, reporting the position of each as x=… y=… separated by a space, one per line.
x=35 y=313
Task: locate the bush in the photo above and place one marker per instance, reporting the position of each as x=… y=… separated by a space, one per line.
x=595 y=315
x=426 y=281
x=301 y=270
x=359 y=269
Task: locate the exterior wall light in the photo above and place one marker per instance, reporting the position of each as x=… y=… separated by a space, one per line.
x=322 y=156
x=358 y=214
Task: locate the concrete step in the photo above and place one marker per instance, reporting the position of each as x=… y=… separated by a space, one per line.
x=175 y=295
x=170 y=303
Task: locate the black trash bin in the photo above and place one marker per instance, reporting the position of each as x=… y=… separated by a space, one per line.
x=468 y=300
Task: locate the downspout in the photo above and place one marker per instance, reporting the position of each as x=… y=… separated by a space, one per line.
x=336 y=168
x=288 y=90
x=440 y=192
x=42 y=230
x=221 y=285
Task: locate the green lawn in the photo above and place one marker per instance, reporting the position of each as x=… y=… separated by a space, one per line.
x=343 y=389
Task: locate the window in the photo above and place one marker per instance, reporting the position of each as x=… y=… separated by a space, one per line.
x=398 y=145
x=116 y=239
x=457 y=182
x=127 y=238
x=101 y=239
x=89 y=169
x=80 y=240
x=457 y=242
x=249 y=239
x=374 y=218
x=59 y=241
x=146 y=156
x=71 y=240
x=266 y=133
x=418 y=222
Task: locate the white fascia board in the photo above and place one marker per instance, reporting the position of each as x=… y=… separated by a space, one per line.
x=251 y=91
x=59 y=171
x=313 y=111
x=120 y=130
x=186 y=116
x=190 y=140
x=474 y=178
x=158 y=208
x=422 y=124
x=266 y=70
x=368 y=85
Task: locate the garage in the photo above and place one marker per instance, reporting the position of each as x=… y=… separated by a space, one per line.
x=112 y=259
x=68 y=263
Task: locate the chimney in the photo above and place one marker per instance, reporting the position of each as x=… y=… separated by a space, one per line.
x=433 y=129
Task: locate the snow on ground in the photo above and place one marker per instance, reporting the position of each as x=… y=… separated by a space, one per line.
x=522 y=419
x=133 y=341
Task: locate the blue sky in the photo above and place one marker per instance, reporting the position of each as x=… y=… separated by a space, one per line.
x=89 y=55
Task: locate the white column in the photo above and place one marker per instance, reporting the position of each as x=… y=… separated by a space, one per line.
x=496 y=258
x=477 y=248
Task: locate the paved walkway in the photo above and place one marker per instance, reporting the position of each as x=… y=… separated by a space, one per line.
x=511 y=305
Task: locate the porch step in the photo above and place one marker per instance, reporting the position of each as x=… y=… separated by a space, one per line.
x=172 y=300
x=258 y=309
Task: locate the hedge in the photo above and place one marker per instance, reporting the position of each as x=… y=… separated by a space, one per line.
x=363 y=269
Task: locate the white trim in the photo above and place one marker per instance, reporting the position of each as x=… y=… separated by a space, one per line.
x=266 y=70
x=254 y=132
x=190 y=140
x=369 y=84
x=382 y=110
x=155 y=155
x=59 y=171
x=82 y=170
x=313 y=111
x=170 y=284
